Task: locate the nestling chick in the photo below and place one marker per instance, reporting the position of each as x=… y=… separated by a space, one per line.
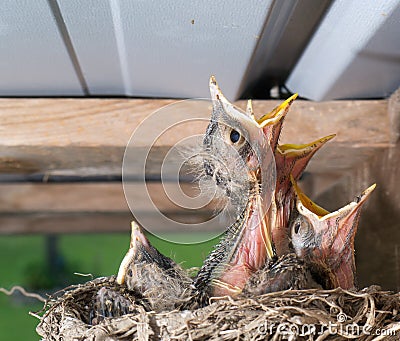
x=285 y=272
x=237 y=160
x=109 y=302
x=291 y=160
x=151 y=280
x=325 y=241
x=158 y=279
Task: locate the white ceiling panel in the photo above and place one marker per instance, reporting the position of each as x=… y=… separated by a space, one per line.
x=163 y=48
x=34 y=60
x=144 y=48
x=355 y=53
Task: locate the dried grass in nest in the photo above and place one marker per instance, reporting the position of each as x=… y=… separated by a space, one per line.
x=368 y=314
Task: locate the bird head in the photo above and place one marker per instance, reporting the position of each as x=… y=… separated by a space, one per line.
x=326 y=239
x=141 y=252
x=291 y=160
x=239 y=149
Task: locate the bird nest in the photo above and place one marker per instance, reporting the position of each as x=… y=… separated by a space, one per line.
x=293 y=314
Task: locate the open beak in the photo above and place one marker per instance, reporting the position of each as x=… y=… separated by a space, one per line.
x=248 y=244
x=334 y=235
x=141 y=251
x=306 y=206
x=271 y=123
x=277 y=113
x=292 y=159
x=344 y=223
x=219 y=99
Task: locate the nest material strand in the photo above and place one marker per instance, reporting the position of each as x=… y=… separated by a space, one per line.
x=293 y=314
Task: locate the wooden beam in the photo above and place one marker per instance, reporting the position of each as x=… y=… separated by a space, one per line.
x=94 y=222
x=394 y=115
x=73 y=197
x=88 y=136
x=87 y=197
x=90 y=207
x=110 y=122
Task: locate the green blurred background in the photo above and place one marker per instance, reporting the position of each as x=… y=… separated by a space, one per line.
x=27 y=261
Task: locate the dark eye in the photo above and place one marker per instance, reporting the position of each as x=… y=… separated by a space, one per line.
x=234 y=136
x=297 y=227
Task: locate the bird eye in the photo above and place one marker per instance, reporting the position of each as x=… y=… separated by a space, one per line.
x=297 y=227
x=234 y=136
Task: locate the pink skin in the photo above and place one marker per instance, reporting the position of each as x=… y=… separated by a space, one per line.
x=251 y=253
x=335 y=253
x=340 y=250
x=250 y=256
x=327 y=239
x=291 y=160
x=254 y=245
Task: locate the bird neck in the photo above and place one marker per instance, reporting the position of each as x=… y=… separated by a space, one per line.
x=344 y=271
x=237 y=256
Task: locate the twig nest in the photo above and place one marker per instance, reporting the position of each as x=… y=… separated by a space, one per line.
x=293 y=314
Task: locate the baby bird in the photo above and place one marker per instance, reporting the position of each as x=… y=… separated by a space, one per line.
x=240 y=153
x=158 y=279
x=111 y=302
x=145 y=277
x=291 y=160
x=325 y=241
x=279 y=238
x=237 y=160
x=283 y=273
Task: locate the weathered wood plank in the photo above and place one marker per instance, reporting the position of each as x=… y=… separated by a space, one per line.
x=86 y=222
x=73 y=197
x=64 y=222
x=100 y=207
x=72 y=122
x=89 y=207
x=394 y=115
x=88 y=136
x=85 y=197
x=110 y=122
